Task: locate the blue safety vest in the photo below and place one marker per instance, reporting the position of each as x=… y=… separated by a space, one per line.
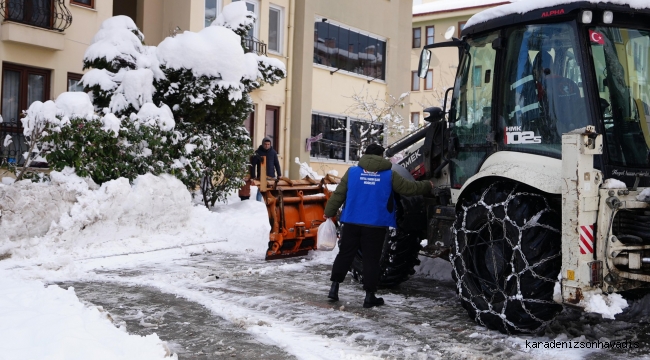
x=366 y=202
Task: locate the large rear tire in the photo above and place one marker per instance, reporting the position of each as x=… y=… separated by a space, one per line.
x=506 y=257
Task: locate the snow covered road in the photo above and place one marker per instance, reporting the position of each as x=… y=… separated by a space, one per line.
x=273 y=309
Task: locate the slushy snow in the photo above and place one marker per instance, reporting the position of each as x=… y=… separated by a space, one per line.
x=48 y=322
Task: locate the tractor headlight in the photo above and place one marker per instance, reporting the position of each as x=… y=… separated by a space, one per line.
x=587 y=16
x=608 y=17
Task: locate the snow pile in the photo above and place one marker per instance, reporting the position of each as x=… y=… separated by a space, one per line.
x=135 y=89
x=307 y=171
x=613 y=184
x=214 y=51
x=520 y=7
x=28 y=209
x=436 y=268
x=644 y=195
x=118 y=38
x=38 y=322
x=235 y=16
x=161 y=116
x=606 y=305
x=75 y=105
x=155 y=212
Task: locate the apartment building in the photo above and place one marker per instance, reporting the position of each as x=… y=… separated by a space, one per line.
x=332 y=50
x=41 y=51
x=432 y=20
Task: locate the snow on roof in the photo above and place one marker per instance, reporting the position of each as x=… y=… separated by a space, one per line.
x=444 y=5
x=520 y=7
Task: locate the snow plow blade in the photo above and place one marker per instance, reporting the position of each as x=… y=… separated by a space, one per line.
x=295 y=209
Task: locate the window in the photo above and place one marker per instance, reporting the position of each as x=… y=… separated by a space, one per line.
x=415 y=81
x=86 y=3
x=272 y=125
x=461 y=27
x=417 y=37
x=336 y=144
x=471 y=111
x=212 y=9
x=21 y=86
x=350 y=50
x=541 y=88
x=275 y=29
x=415 y=120
x=74 y=82
x=428 y=81
x=430 y=35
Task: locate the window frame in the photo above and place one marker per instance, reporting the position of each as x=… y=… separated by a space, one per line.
x=460 y=28
x=25 y=71
x=348 y=138
x=351 y=29
x=419 y=38
x=430 y=71
x=76 y=2
x=219 y=9
x=72 y=76
x=414 y=78
x=16 y=128
x=415 y=124
x=433 y=36
x=276 y=125
x=280 y=10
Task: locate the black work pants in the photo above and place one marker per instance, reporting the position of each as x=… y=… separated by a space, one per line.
x=371 y=241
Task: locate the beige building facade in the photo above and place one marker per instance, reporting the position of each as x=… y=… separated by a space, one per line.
x=332 y=50
x=432 y=20
x=41 y=52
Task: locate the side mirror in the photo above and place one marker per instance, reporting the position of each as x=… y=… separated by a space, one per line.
x=425 y=58
x=435 y=114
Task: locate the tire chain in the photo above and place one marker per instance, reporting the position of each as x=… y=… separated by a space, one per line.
x=518 y=297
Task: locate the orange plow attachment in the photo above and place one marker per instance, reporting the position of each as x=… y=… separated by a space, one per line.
x=295 y=209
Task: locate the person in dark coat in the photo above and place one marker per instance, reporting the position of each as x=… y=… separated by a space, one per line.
x=272 y=163
x=368 y=193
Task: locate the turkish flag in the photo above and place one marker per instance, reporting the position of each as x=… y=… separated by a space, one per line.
x=596 y=37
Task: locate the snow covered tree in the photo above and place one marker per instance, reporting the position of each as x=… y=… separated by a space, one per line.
x=177 y=108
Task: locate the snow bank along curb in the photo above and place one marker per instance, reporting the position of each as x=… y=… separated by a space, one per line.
x=38 y=322
x=27 y=210
x=153 y=213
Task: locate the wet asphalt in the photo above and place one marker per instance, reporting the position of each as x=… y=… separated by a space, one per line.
x=422 y=318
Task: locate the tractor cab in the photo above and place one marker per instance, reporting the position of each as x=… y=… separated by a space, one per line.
x=527 y=76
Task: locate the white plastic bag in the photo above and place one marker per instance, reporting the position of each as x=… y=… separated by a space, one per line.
x=327 y=235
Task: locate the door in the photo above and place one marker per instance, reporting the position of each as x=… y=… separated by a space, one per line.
x=470 y=119
x=272 y=126
x=21 y=86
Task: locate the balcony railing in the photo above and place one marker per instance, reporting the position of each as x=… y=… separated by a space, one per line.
x=252 y=44
x=48 y=14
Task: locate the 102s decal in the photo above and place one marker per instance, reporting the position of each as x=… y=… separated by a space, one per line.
x=513 y=136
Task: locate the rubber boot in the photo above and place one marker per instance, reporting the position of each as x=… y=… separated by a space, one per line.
x=334 y=292
x=371 y=300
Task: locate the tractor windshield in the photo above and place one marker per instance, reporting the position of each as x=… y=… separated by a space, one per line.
x=543 y=95
x=620 y=59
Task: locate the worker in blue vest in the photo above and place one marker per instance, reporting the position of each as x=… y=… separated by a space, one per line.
x=367 y=191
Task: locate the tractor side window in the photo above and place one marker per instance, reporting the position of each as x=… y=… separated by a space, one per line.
x=471 y=119
x=543 y=95
x=622 y=68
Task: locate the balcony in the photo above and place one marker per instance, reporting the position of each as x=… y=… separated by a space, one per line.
x=47 y=14
x=252 y=44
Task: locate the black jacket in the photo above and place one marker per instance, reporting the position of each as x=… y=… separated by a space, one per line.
x=272 y=162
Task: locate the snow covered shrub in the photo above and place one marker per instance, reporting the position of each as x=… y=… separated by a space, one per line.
x=177 y=108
